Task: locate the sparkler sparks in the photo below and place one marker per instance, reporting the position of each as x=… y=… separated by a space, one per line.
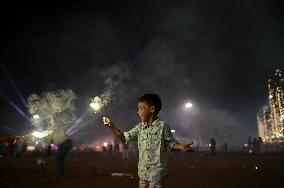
x=95 y=106
x=97 y=103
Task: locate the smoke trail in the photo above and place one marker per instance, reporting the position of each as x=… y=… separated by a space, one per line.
x=114 y=81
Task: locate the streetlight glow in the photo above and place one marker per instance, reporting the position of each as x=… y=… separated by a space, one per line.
x=36 y=116
x=188 y=105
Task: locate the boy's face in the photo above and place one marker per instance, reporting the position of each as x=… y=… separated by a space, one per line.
x=145 y=111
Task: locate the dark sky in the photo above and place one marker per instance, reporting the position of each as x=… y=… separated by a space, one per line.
x=218 y=54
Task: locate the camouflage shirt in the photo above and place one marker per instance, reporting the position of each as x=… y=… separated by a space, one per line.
x=153 y=143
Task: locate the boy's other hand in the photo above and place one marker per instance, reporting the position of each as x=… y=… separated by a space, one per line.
x=187 y=147
x=107 y=122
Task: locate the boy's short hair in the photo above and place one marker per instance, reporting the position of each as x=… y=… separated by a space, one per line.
x=153 y=100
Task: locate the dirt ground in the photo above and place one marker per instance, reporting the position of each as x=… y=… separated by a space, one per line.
x=92 y=170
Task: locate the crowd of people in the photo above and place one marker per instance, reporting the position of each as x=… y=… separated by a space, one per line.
x=254 y=145
x=9 y=146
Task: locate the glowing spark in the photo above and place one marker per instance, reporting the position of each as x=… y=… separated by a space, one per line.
x=97 y=104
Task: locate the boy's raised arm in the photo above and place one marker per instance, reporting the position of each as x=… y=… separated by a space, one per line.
x=107 y=122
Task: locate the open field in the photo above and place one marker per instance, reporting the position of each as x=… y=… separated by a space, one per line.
x=85 y=170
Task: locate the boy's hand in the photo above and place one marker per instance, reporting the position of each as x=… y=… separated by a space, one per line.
x=107 y=122
x=115 y=131
x=187 y=147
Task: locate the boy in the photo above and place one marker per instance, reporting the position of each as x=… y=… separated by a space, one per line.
x=154 y=138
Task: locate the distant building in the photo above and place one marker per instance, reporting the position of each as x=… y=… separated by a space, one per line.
x=271 y=116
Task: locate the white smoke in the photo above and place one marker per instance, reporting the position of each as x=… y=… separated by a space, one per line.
x=114 y=80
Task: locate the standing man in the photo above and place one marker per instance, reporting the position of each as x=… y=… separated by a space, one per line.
x=63 y=149
x=213 y=146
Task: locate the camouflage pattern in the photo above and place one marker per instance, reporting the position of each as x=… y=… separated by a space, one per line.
x=153 y=144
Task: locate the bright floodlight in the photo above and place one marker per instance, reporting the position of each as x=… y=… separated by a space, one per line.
x=36 y=116
x=41 y=134
x=95 y=106
x=188 y=105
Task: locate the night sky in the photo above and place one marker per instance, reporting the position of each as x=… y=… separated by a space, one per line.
x=217 y=54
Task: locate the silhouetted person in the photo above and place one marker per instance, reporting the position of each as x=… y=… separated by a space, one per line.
x=116 y=145
x=110 y=148
x=63 y=149
x=12 y=146
x=260 y=143
x=213 y=146
x=225 y=147
x=1 y=150
x=24 y=148
x=249 y=144
x=104 y=149
x=49 y=148
x=255 y=145
x=125 y=152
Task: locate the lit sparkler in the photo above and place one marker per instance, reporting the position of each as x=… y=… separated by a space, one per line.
x=97 y=103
